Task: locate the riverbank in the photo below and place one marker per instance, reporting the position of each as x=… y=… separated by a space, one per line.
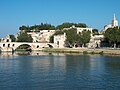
x=83 y=50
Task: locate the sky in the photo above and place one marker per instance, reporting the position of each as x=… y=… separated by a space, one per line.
x=94 y=13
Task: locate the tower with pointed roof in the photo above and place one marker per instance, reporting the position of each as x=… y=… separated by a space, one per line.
x=114 y=22
x=112 y=25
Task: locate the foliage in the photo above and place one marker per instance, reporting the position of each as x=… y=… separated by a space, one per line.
x=52 y=39
x=68 y=25
x=24 y=27
x=12 y=37
x=85 y=37
x=42 y=26
x=92 y=52
x=59 y=32
x=95 y=32
x=46 y=26
x=24 y=37
x=72 y=36
x=113 y=35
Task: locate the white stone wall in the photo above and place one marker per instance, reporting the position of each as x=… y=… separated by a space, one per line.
x=59 y=40
x=79 y=30
x=42 y=36
x=95 y=41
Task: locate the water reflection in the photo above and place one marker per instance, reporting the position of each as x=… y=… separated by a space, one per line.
x=18 y=53
x=33 y=53
x=57 y=71
x=7 y=54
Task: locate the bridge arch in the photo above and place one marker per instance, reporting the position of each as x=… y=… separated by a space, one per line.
x=24 y=47
x=50 y=45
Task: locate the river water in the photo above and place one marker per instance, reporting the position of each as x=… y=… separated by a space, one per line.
x=54 y=71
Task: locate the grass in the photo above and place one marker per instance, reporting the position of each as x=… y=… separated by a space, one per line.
x=101 y=53
x=85 y=52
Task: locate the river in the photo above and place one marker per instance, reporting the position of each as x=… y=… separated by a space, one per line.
x=55 y=71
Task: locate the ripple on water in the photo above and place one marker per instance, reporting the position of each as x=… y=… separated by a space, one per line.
x=68 y=72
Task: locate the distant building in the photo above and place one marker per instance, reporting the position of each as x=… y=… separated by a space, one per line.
x=79 y=29
x=59 y=40
x=95 y=41
x=113 y=24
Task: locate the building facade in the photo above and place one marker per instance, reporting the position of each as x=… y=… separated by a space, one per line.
x=95 y=41
x=59 y=40
x=79 y=29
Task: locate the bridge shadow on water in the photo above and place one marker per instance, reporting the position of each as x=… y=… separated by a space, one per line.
x=34 y=53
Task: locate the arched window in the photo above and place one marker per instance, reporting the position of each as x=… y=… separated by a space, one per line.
x=3 y=45
x=7 y=40
x=13 y=45
x=8 y=45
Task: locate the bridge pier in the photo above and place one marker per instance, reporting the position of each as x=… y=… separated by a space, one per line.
x=7 y=49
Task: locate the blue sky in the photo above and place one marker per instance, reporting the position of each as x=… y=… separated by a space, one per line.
x=95 y=13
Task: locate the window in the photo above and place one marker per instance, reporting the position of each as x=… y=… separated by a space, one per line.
x=7 y=40
x=3 y=45
x=8 y=45
x=37 y=46
x=13 y=45
x=57 y=42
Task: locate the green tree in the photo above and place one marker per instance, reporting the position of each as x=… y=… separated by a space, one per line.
x=85 y=37
x=83 y=25
x=12 y=37
x=24 y=27
x=42 y=26
x=68 y=25
x=113 y=35
x=95 y=32
x=24 y=37
x=72 y=36
x=52 y=39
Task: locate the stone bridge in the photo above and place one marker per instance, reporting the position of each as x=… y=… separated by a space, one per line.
x=11 y=46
